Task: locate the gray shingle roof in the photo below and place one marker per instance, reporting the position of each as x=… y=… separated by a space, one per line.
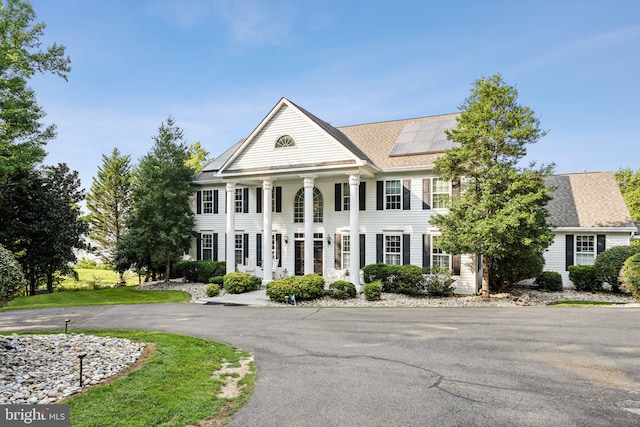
x=587 y=200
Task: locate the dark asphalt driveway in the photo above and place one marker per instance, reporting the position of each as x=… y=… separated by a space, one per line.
x=521 y=366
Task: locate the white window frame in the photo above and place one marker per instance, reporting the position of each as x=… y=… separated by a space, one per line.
x=346 y=251
x=585 y=249
x=239 y=249
x=206 y=244
x=239 y=202
x=346 y=197
x=285 y=141
x=207 y=201
x=393 y=194
x=318 y=206
x=438 y=255
x=393 y=249
x=440 y=196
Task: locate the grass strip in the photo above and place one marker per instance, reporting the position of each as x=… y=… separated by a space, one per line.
x=176 y=387
x=110 y=296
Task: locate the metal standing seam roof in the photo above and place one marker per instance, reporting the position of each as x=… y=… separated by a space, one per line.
x=587 y=200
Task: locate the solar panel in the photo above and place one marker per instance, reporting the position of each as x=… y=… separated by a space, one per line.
x=424 y=137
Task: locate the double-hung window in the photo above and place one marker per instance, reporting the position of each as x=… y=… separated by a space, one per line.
x=393 y=249
x=438 y=256
x=207 y=246
x=440 y=193
x=585 y=250
x=239 y=200
x=346 y=251
x=207 y=201
x=346 y=197
x=393 y=194
x=239 y=245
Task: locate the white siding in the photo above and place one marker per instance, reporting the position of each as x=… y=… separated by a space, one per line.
x=313 y=145
x=555 y=254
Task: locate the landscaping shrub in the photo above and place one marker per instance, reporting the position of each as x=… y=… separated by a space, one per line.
x=583 y=278
x=609 y=263
x=218 y=280
x=256 y=282
x=237 y=283
x=550 y=281
x=11 y=277
x=308 y=287
x=373 y=272
x=213 y=290
x=440 y=282
x=373 y=291
x=407 y=279
x=630 y=275
x=199 y=271
x=342 y=290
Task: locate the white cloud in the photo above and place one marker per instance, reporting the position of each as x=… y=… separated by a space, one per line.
x=257 y=23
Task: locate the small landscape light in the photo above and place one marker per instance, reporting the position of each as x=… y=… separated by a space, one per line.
x=81 y=356
x=66 y=323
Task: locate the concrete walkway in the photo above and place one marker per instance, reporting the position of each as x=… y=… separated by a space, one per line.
x=255 y=298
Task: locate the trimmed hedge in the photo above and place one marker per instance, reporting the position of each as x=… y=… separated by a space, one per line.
x=550 y=281
x=583 y=278
x=609 y=263
x=213 y=290
x=373 y=291
x=630 y=275
x=199 y=271
x=403 y=279
x=308 y=287
x=342 y=290
x=237 y=283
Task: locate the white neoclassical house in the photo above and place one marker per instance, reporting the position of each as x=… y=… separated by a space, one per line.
x=299 y=196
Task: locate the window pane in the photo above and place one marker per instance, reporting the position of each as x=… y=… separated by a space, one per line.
x=440 y=193
x=346 y=197
x=393 y=247
x=346 y=252
x=393 y=194
x=207 y=201
x=238 y=200
x=239 y=251
x=585 y=250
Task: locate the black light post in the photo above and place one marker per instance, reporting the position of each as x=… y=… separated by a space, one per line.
x=66 y=323
x=81 y=356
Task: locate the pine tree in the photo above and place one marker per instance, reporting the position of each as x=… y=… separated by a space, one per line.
x=500 y=215
x=161 y=221
x=109 y=203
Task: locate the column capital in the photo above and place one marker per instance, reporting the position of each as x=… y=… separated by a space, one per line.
x=230 y=186
x=267 y=184
x=308 y=180
x=354 y=179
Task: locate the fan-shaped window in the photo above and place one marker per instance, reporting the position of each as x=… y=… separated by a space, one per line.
x=298 y=206
x=285 y=141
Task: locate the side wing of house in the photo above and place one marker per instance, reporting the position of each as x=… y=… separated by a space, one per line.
x=588 y=215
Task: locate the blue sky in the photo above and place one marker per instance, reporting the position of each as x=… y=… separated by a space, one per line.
x=218 y=67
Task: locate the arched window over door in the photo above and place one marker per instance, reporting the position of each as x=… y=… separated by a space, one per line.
x=298 y=206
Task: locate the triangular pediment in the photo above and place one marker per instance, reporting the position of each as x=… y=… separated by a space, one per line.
x=290 y=139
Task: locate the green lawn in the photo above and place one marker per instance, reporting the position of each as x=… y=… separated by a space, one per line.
x=176 y=387
x=92 y=278
x=109 y=296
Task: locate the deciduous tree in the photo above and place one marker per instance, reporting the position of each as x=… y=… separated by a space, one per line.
x=629 y=183
x=500 y=213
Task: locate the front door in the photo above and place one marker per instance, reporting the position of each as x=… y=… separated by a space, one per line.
x=317 y=257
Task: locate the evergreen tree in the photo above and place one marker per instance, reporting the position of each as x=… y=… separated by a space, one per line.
x=161 y=221
x=109 y=203
x=500 y=214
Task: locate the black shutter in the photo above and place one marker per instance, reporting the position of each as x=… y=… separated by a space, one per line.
x=337 y=251
x=259 y=250
x=338 y=197
x=279 y=249
x=406 y=195
x=245 y=248
x=363 y=196
x=380 y=195
x=426 y=194
x=455 y=264
x=216 y=207
x=602 y=243
x=568 y=251
x=362 y=251
x=379 y=248
x=406 y=249
x=426 y=250
x=215 y=246
x=199 y=202
x=278 y=199
x=245 y=200
x=258 y=199
x=199 y=246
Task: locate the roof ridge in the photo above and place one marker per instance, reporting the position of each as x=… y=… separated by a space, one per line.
x=397 y=120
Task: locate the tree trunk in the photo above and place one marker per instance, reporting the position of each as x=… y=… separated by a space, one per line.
x=485 y=291
x=167 y=269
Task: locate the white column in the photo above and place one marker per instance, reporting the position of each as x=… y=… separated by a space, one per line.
x=354 y=230
x=308 y=224
x=267 y=236
x=231 y=227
